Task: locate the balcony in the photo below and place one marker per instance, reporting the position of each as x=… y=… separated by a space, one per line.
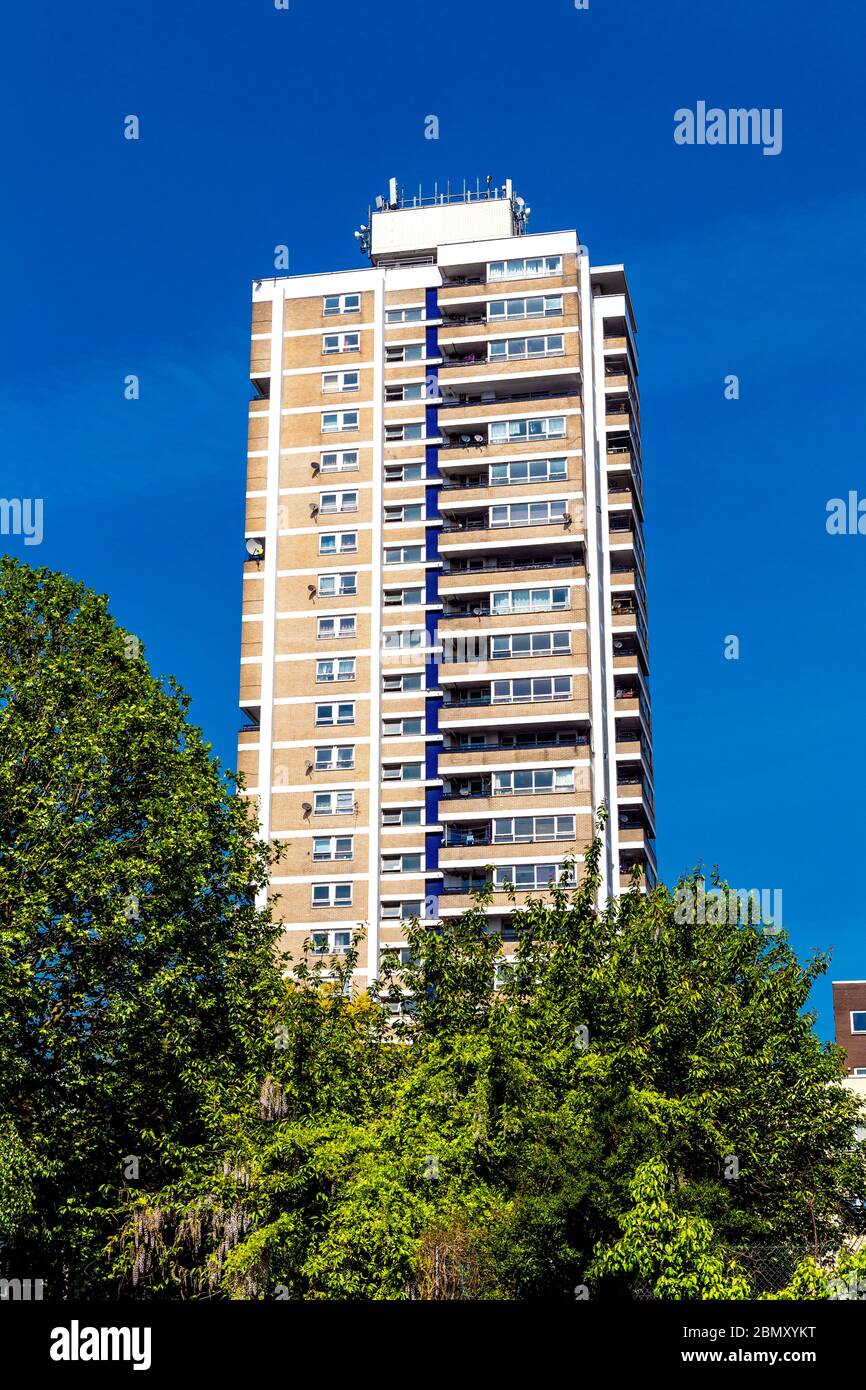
x=458 y=569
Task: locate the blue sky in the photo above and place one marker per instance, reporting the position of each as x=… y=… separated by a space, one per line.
x=261 y=127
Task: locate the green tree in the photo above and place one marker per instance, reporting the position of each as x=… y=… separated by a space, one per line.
x=561 y=1124
x=137 y=977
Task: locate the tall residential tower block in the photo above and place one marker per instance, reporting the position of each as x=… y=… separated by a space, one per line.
x=444 y=656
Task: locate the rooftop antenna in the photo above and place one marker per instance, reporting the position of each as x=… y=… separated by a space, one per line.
x=392 y=193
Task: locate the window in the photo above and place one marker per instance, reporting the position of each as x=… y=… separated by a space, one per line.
x=343 y=625
x=405 y=511
x=411 y=315
x=331 y=943
x=403 y=555
x=412 y=391
x=332 y=895
x=341 y=342
x=529 y=644
x=339 y=461
x=403 y=598
x=394 y=434
x=336 y=420
x=512 y=349
x=338 y=542
x=524 y=268
x=409 y=352
x=403 y=472
x=333 y=803
x=541 y=306
x=338 y=501
x=529 y=600
x=343 y=670
x=515 y=830
x=401 y=772
x=401 y=728
x=336 y=714
x=532 y=781
x=341 y=381
x=858 y=1021
x=529 y=471
x=411 y=681
x=337 y=585
x=531 y=875
x=402 y=815
x=401 y=863
x=335 y=758
x=332 y=847
x=528 y=513
x=341 y=304
x=408 y=908
x=523 y=690
x=402 y=639
x=506 y=431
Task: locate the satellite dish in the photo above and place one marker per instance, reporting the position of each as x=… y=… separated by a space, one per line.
x=466 y=439
x=464 y=791
x=479 y=438
x=307 y=808
x=255 y=547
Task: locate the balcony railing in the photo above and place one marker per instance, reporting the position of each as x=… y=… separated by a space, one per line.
x=554 y=562
x=578 y=741
x=483 y=523
x=488 y=398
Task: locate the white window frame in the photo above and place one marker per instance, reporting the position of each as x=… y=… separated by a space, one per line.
x=332 y=938
x=337 y=584
x=341 y=625
x=401 y=720
x=511 y=838
x=411 y=431
x=323 y=722
x=344 y=461
x=510 y=472
x=407 y=313
x=404 y=511
x=332 y=842
x=341 y=381
x=551 y=307
x=401 y=812
x=349 y=303
x=534 y=603
x=344 y=421
x=389 y=687
x=558 y=643
x=561 y=780
x=330 y=895
x=335 y=663
x=404 y=472
x=527 y=428
x=517 y=268
x=397 y=772
x=533 y=697
x=401 y=549
x=344 y=342
x=519 y=350
x=345 y=542
x=542 y=513
x=344 y=501
x=334 y=757
x=334 y=803
x=396 y=352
